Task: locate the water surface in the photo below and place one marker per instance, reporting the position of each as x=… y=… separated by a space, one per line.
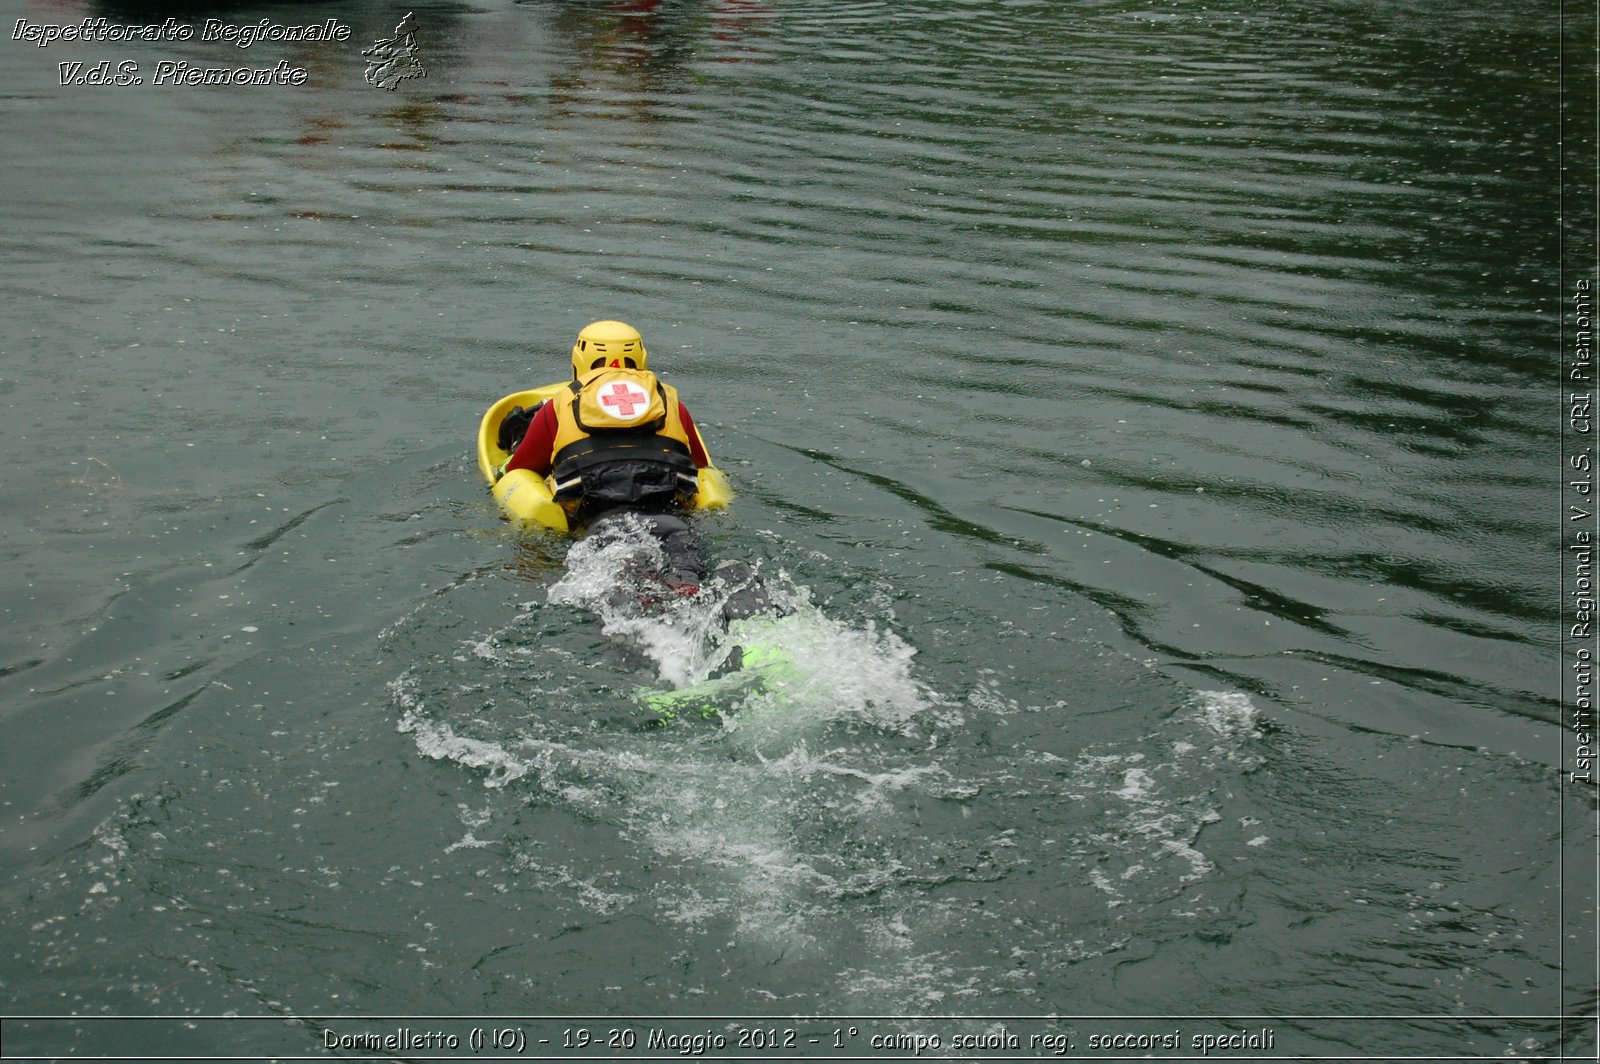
x=1147 y=412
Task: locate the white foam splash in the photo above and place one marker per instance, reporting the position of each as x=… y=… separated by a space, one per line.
x=1136 y=785
x=743 y=806
x=832 y=670
x=609 y=574
x=1160 y=805
x=439 y=742
x=1228 y=713
x=834 y=673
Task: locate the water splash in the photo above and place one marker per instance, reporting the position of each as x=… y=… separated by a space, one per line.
x=816 y=815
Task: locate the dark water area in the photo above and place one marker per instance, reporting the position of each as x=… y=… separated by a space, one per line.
x=1151 y=416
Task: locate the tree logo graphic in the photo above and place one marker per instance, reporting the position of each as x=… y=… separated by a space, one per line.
x=394 y=59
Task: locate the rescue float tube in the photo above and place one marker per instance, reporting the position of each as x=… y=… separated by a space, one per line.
x=525 y=496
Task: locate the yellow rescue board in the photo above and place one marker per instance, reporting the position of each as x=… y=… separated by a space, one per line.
x=525 y=496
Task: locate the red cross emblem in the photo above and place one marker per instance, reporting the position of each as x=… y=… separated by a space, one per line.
x=623 y=398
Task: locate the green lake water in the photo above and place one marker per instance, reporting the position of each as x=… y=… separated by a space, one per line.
x=1150 y=413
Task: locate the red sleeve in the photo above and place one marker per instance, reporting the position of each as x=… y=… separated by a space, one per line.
x=534 y=450
x=697 y=448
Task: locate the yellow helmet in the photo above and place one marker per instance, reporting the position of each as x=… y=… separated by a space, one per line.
x=607 y=343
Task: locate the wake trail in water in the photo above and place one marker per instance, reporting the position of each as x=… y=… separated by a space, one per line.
x=742 y=799
x=836 y=812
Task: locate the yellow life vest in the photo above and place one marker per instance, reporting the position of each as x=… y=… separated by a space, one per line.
x=620 y=442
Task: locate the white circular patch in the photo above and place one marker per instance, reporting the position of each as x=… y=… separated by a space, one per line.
x=624 y=400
